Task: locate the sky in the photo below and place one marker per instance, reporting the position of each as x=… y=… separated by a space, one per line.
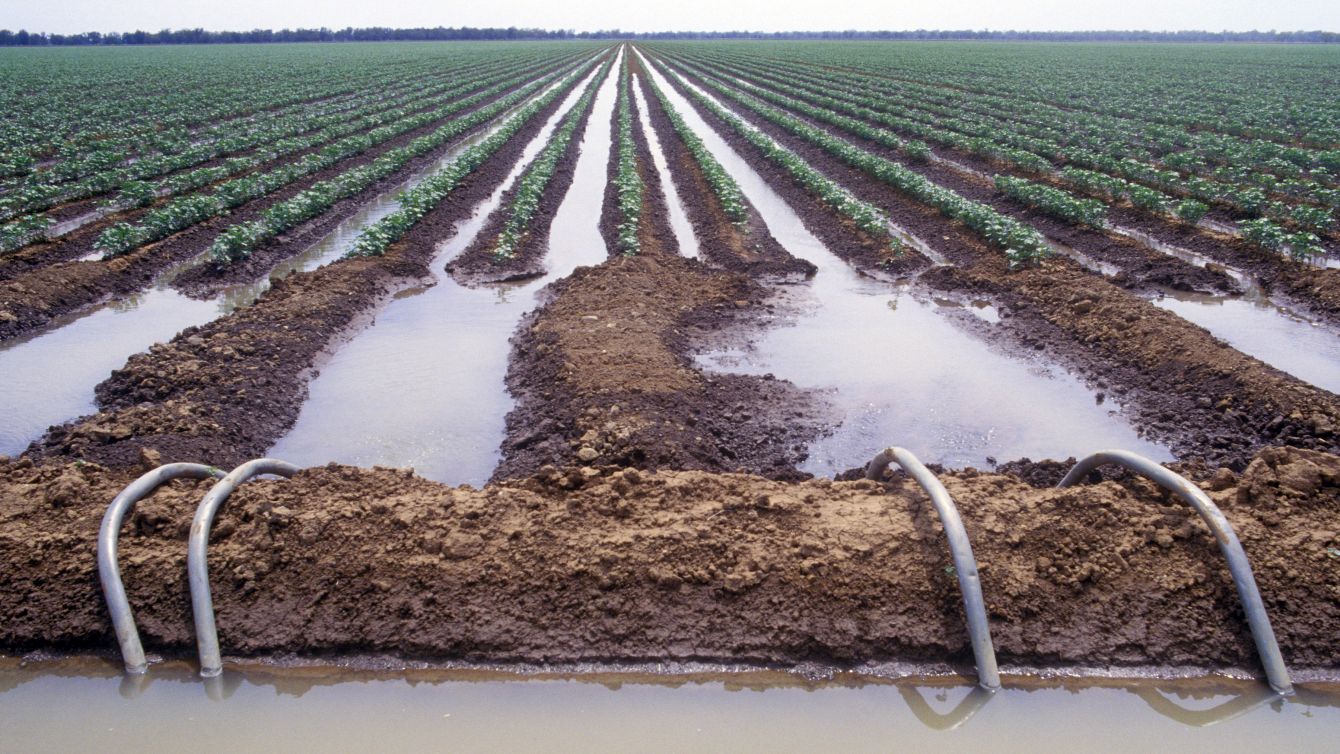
x=68 y=16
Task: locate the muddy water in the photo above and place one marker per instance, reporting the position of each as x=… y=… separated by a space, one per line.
x=423 y=387
x=900 y=370
x=679 y=218
x=1285 y=340
x=60 y=708
x=49 y=377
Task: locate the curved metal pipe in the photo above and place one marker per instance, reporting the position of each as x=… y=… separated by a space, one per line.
x=197 y=567
x=965 y=565
x=109 y=571
x=1264 y=636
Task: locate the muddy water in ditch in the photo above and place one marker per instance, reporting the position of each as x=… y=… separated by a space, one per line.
x=49 y=377
x=423 y=387
x=899 y=369
x=60 y=707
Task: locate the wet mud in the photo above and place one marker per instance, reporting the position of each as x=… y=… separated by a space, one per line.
x=602 y=564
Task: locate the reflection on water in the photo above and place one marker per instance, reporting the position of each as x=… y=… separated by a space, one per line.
x=88 y=705
x=898 y=369
x=679 y=219
x=424 y=386
x=1282 y=339
x=49 y=377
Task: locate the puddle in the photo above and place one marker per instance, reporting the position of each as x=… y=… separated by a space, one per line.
x=679 y=219
x=55 y=707
x=89 y=345
x=1250 y=286
x=49 y=378
x=1308 y=351
x=423 y=387
x=899 y=370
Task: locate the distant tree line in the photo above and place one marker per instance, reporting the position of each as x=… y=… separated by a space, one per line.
x=24 y=38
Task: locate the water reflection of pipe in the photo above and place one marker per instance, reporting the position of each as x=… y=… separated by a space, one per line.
x=1248 y=700
x=222 y=686
x=961 y=713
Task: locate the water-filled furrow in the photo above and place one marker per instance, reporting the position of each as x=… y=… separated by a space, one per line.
x=89 y=345
x=679 y=218
x=898 y=370
x=424 y=387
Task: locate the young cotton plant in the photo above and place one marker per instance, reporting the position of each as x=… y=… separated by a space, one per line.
x=627 y=181
x=420 y=200
x=869 y=219
x=532 y=185
x=1053 y=201
x=726 y=190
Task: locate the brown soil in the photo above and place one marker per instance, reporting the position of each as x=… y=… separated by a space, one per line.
x=590 y=564
x=1313 y=289
x=1178 y=383
x=603 y=372
x=227 y=391
x=32 y=300
x=750 y=249
x=478 y=266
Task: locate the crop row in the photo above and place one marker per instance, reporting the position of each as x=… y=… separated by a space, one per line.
x=61 y=103
x=277 y=139
x=186 y=211
x=723 y=186
x=420 y=200
x=1021 y=243
x=627 y=182
x=274 y=144
x=869 y=219
x=996 y=142
x=531 y=187
x=1272 y=165
x=239 y=240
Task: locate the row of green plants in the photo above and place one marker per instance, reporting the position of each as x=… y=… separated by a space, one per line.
x=186 y=211
x=1202 y=150
x=178 y=147
x=531 y=187
x=865 y=216
x=274 y=143
x=1054 y=201
x=64 y=103
x=1020 y=243
x=1266 y=235
x=996 y=141
x=239 y=240
x=724 y=187
x=420 y=200
x=281 y=135
x=627 y=182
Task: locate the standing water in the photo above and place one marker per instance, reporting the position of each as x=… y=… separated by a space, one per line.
x=87 y=346
x=62 y=707
x=898 y=370
x=679 y=218
x=424 y=386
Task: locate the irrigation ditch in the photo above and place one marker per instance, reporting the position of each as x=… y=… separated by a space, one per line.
x=570 y=456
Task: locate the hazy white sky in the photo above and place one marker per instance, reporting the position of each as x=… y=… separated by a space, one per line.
x=65 y=16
